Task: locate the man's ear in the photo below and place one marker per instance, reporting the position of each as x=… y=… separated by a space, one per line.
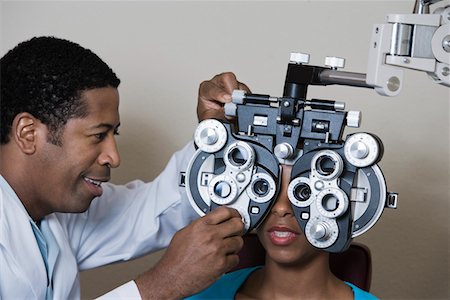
x=25 y=132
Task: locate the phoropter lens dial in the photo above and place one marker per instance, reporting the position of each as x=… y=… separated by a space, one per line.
x=262 y=188
x=299 y=192
x=239 y=155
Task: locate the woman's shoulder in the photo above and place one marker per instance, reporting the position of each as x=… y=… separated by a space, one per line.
x=237 y=277
x=360 y=294
x=226 y=287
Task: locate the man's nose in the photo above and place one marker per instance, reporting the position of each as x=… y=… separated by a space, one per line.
x=110 y=154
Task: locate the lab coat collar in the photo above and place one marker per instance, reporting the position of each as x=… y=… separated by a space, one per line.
x=15 y=235
x=18 y=240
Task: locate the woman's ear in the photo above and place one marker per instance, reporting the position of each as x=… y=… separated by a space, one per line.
x=24 y=130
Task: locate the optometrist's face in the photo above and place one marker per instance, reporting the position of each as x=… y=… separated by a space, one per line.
x=71 y=174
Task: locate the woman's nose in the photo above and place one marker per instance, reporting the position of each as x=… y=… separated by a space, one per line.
x=282 y=206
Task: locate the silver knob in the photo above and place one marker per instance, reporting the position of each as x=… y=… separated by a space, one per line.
x=238 y=96
x=299 y=58
x=240 y=177
x=319 y=231
x=283 y=151
x=208 y=136
x=359 y=150
x=230 y=109
x=353 y=118
x=334 y=62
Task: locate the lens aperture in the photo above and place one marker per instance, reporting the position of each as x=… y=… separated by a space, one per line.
x=261 y=187
x=222 y=189
x=330 y=202
x=302 y=192
x=325 y=165
x=238 y=156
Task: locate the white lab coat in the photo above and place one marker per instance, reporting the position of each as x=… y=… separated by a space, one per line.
x=125 y=222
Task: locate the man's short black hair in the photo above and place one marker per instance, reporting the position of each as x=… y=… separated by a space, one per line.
x=45 y=76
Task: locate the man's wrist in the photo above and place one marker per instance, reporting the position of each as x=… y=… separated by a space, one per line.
x=155 y=284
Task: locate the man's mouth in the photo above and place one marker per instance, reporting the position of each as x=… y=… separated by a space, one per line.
x=90 y=180
x=95 y=185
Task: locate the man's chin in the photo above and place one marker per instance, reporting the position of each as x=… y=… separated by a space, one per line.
x=79 y=207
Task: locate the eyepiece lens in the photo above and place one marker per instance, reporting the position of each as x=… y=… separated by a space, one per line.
x=238 y=156
x=222 y=189
x=261 y=187
x=325 y=165
x=330 y=202
x=302 y=192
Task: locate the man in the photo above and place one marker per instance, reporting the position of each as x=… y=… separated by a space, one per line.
x=59 y=115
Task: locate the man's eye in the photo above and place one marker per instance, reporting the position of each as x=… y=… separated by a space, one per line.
x=101 y=136
x=116 y=132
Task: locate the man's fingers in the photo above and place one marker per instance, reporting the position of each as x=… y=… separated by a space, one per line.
x=232 y=261
x=213 y=114
x=244 y=87
x=209 y=91
x=224 y=222
x=214 y=93
x=220 y=88
x=233 y=244
x=231 y=227
x=220 y=215
x=228 y=82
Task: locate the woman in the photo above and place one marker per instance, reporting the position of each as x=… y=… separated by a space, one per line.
x=293 y=270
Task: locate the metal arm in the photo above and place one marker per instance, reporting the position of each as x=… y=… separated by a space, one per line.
x=419 y=41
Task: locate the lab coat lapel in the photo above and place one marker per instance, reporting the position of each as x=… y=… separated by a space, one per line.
x=64 y=265
x=17 y=238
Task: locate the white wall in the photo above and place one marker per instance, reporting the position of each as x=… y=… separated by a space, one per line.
x=163 y=50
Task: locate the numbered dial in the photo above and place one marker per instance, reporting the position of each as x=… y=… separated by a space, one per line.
x=327 y=165
x=239 y=156
x=262 y=188
x=223 y=190
x=321 y=233
x=362 y=149
x=299 y=192
x=210 y=136
x=332 y=202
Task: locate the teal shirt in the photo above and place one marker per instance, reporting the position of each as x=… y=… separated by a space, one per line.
x=228 y=285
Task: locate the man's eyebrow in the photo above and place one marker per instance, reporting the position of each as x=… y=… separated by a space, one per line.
x=105 y=125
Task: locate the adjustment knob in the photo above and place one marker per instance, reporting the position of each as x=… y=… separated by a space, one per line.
x=362 y=149
x=353 y=118
x=283 y=151
x=299 y=58
x=238 y=96
x=230 y=109
x=208 y=136
x=319 y=231
x=334 y=62
x=359 y=150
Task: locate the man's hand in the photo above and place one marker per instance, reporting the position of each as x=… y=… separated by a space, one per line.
x=196 y=257
x=214 y=93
